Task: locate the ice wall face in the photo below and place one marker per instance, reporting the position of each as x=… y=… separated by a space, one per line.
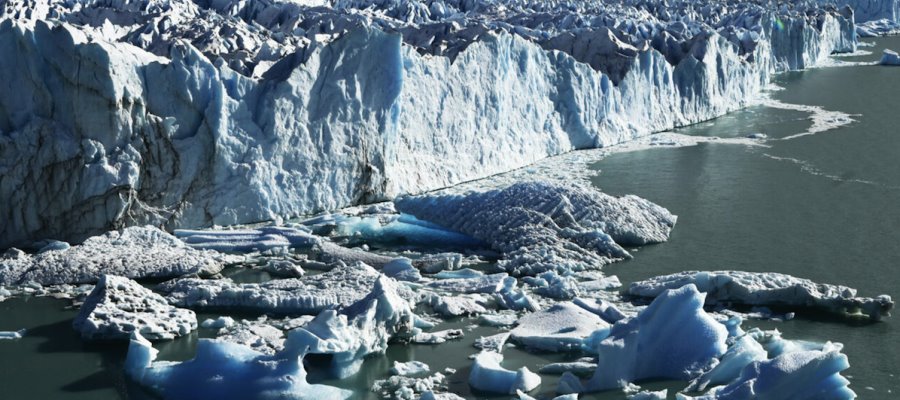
x=193 y=113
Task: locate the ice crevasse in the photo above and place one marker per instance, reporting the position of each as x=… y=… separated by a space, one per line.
x=109 y=122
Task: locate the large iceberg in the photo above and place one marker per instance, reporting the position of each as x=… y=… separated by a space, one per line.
x=540 y=226
x=136 y=252
x=187 y=114
x=767 y=289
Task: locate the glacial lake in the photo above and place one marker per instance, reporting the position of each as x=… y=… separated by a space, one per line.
x=824 y=207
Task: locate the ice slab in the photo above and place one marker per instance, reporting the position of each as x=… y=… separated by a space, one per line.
x=119 y=306
x=136 y=252
x=768 y=289
x=540 y=226
x=561 y=327
x=487 y=375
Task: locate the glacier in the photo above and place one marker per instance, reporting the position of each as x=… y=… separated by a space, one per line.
x=194 y=113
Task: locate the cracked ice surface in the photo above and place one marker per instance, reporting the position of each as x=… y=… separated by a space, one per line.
x=541 y=226
x=768 y=289
x=135 y=252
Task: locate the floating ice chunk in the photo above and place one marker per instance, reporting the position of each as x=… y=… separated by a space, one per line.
x=742 y=352
x=410 y=368
x=758 y=136
x=580 y=368
x=223 y=370
x=331 y=253
x=454 y=306
x=404 y=229
x=136 y=252
x=363 y=328
x=492 y=283
x=464 y=273
x=524 y=396
x=604 y=283
x=648 y=395
x=673 y=338
x=248 y=240
x=429 y=395
x=437 y=337
x=806 y=374
x=541 y=226
x=890 y=57
x=512 y=298
x=767 y=289
x=493 y=343
x=54 y=245
x=562 y=327
x=487 y=375
x=603 y=309
x=284 y=268
x=258 y=335
x=13 y=335
x=218 y=323
x=405 y=387
x=341 y=286
x=401 y=269
x=555 y=286
x=119 y=306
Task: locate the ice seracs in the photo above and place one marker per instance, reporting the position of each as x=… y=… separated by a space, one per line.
x=118 y=306
x=768 y=289
x=137 y=252
x=192 y=114
x=540 y=226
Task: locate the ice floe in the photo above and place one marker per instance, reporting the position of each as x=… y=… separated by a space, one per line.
x=768 y=289
x=136 y=252
x=561 y=327
x=540 y=226
x=489 y=376
x=118 y=306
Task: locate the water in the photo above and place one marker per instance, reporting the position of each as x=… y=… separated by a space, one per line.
x=823 y=207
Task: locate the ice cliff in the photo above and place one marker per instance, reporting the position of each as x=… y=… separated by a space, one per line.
x=185 y=113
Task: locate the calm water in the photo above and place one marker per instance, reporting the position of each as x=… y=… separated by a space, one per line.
x=824 y=207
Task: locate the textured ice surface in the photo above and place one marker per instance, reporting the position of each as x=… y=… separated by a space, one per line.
x=487 y=375
x=224 y=370
x=135 y=252
x=195 y=113
x=247 y=240
x=561 y=327
x=119 y=306
x=456 y=305
x=341 y=286
x=541 y=226
x=767 y=289
x=409 y=368
x=673 y=338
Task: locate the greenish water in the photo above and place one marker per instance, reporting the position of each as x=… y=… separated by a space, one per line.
x=824 y=207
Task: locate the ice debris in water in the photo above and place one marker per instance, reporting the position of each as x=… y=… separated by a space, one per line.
x=561 y=327
x=540 y=226
x=247 y=240
x=767 y=289
x=119 y=306
x=341 y=286
x=487 y=375
x=409 y=368
x=136 y=252
x=673 y=338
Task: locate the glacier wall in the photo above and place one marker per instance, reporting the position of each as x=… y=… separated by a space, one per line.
x=97 y=132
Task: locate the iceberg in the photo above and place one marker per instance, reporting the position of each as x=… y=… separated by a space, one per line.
x=487 y=375
x=540 y=226
x=12 y=335
x=673 y=338
x=140 y=252
x=188 y=114
x=890 y=57
x=119 y=306
x=768 y=289
x=561 y=327
x=224 y=370
x=338 y=287
x=410 y=368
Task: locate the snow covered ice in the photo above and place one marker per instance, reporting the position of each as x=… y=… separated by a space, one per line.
x=768 y=289
x=542 y=226
x=118 y=306
x=135 y=252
